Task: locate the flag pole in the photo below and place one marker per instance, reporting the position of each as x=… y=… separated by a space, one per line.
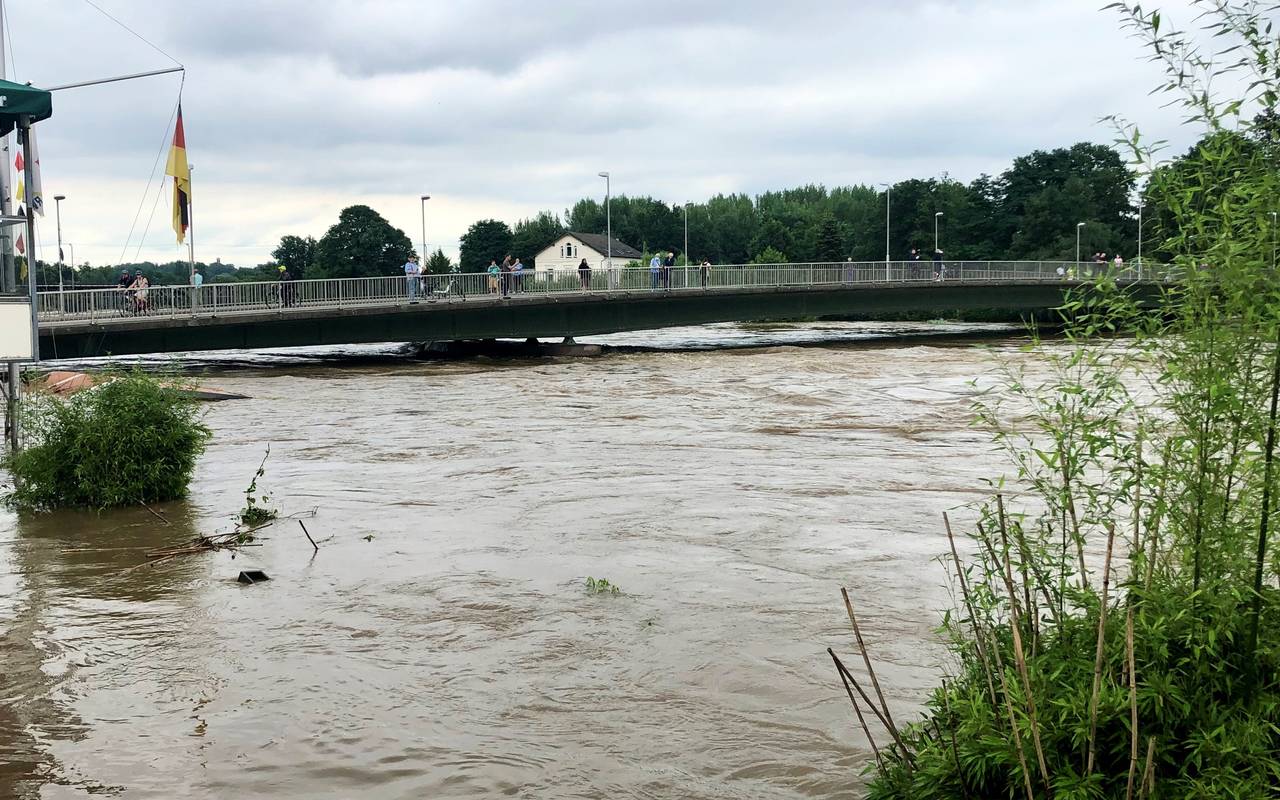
x=191 y=227
x=28 y=169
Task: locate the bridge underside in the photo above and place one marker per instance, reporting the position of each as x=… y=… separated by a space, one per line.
x=521 y=317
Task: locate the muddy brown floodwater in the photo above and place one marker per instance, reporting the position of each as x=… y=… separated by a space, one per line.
x=441 y=643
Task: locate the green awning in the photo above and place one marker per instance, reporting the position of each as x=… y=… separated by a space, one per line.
x=17 y=100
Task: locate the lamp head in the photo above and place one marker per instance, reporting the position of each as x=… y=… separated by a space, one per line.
x=603 y=174
x=426 y=197
x=59 y=197
x=1079 y=224
x=937 y=213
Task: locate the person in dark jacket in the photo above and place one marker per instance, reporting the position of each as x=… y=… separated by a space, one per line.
x=584 y=274
x=668 y=264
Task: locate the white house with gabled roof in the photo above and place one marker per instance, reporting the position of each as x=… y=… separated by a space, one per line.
x=568 y=251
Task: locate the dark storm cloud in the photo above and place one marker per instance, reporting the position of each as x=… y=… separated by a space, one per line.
x=292 y=107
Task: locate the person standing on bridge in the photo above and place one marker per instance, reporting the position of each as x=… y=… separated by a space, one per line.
x=504 y=276
x=493 y=272
x=517 y=276
x=939 y=269
x=584 y=274
x=412 y=276
x=197 y=280
x=655 y=268
x=706 y=272
x=668 y=265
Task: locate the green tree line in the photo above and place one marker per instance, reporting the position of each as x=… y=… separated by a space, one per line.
x=1028 y=212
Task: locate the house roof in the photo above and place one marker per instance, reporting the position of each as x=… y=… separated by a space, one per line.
x=600 y=243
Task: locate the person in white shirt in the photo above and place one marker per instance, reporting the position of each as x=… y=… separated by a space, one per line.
x=412 y=273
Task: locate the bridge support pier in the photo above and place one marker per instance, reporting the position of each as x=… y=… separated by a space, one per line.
x=505 y=348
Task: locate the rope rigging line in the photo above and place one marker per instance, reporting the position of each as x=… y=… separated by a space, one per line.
x=142 y=38
x=163 y=141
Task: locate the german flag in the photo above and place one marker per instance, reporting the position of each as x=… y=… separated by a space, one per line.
x=178 y=170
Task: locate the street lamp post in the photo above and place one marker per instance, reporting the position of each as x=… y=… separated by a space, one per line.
x=1079 y=225
x=936 y=216
x=425 y=198
x=608 y=227
x=888 y=196
x=686 y=234
x=57 y=205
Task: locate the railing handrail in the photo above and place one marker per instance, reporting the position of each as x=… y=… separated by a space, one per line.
x=216 y=298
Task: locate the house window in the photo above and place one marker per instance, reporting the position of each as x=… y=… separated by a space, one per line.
x=569 y=251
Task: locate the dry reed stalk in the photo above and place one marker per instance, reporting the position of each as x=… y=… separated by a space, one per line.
x=1022 y=561
x=871 y=672
x=1133 y=703
x=1149 y=771
x=1015 y=625
x=880 y=716
x=1013 y=724
x=1098 y=654
x=973 y=616
x=857 y=711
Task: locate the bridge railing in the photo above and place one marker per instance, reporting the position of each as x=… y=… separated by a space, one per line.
x=213 y=299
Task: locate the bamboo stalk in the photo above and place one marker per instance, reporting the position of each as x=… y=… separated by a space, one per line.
x=955 y=751
x=1098 y=653
x=1137 y=500
x=1157 y=518
x=1021 y=663
x=857 y=711
x=973 y=616
x=1133 y=704
x=1075 y=519
x=1255 y=612
x=871 y=672
x=1149 y=771
x=906 y=754
x=1022 y=561
x=1013 y=724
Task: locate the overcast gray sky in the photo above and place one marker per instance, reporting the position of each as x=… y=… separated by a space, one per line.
x=501 y=108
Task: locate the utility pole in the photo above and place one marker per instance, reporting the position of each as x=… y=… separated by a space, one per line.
x=608 y=229
x=1079 y=225
x=936 y=215
x=686 y=234
x=424 y=200
x=888 y=202
x=8 y=269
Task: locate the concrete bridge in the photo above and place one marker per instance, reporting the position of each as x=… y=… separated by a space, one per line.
x=97 y=322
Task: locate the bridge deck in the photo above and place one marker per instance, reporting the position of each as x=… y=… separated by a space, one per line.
x=247 y=315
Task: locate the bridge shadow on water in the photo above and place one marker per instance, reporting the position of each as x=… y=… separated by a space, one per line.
x=728 y=336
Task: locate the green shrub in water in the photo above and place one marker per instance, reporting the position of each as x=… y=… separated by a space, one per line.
x=1152 y=671
x=132 y=439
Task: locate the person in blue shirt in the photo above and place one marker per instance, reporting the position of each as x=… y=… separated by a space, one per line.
x=412 y=276
x=655 y=267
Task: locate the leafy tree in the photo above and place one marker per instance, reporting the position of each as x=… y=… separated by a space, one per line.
x=297 y=253
x=830 y=244
x=484 y=240
x=770 y=256
x=438 y=263
x=362 y=244
x=532 y=236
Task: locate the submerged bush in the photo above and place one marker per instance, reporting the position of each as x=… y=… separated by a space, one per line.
x=134 y=438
